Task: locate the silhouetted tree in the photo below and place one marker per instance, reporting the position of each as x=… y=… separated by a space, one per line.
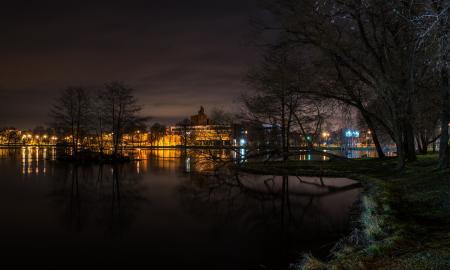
x=221 y=117
x=278 y=98
x=368 y=42
x=185 y=126
x=71 y=114
x=119 y=110
x=433 y=25
x=157 y=131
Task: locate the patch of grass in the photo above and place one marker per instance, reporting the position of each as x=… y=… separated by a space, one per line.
x=371 y=221
x=405 y=217
x=312 y=263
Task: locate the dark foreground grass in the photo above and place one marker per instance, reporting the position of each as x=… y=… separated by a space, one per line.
x=405 y=215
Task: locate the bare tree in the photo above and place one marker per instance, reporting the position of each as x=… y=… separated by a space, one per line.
x=120 y=111
x=157 y=131
x=71 y=114
x=279 y=99
x=185 y=126
x=99 y=121
x=433 y=24
x=368 y=42
x=221 y=117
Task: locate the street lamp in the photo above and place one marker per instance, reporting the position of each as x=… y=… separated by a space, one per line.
x=325 y=136
x=368 y=137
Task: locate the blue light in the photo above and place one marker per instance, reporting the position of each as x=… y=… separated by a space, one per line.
x=242 y=142
x=242 y=155
x=352 y=133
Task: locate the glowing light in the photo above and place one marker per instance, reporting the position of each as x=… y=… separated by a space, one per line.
x=352 y=134
x=242 y=153
x=242 y=142
x=188 y=164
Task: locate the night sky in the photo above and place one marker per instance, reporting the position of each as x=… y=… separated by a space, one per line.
x=177 y=54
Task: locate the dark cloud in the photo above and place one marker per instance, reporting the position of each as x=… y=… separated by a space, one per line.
x=177 y=54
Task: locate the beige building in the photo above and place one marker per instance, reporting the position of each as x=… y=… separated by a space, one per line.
x=200 y=119
x=201 y=131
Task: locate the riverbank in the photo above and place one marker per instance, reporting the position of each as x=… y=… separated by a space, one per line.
x=405 y=218
x=145 y=146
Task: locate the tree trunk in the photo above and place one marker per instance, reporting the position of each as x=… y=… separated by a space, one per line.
x=283 y=129
x=443 y=146
x=409 y=142
x=425 y=143
x=400 y=152
x=372 y=129
x=421 y=144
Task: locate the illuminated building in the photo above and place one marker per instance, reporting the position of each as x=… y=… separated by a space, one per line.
x=201 y=131
x=200 y=119
x=168 y=140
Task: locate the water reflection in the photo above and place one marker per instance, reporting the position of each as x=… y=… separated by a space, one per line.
x=283 y=214
x=172 y=208
x=105 y=196
x=366 y=153
x=34 y=160
x=198 y=160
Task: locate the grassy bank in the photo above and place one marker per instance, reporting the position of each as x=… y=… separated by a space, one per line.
x=405 y=218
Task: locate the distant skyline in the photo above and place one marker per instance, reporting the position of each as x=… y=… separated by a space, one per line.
x=178 y=55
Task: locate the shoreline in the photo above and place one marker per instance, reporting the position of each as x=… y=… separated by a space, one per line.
x=403 y=223
x=332 y=148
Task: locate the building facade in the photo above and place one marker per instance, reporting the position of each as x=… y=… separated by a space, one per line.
x=201 y=131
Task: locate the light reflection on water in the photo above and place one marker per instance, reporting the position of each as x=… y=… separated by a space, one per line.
x=35 y=159
x=167 y=207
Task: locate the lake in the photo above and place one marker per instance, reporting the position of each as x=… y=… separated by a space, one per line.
x=168 y=210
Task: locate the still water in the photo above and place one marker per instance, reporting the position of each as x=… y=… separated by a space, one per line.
x=166 y=210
